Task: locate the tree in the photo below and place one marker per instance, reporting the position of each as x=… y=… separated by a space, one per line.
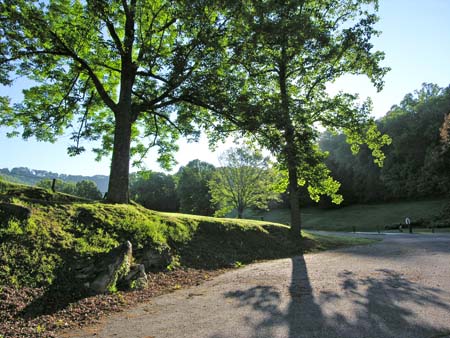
x=154 y=191
x=416 y=163
x=110 y=70
x=60 y=186
x=413 y=166
x=445 y=131
x=244 y=180
x=88 y=189
x=85 y=188
x=287 y=52
x=193 y=190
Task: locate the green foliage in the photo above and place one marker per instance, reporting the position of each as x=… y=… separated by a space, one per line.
x=155 y=191
x=364 y=217
x=23 y=175
x=26 y=254
x=44 y=248
x=284 y=55
x=13 y=228
x=111 y=71
x=60 y=186
x=85 y=188
x=238 y=264
x=415 y=164
x=193 y=190
x=315 y=177
x=174 y=263
x=244 y=180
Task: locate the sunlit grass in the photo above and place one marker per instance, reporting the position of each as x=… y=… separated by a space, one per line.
x=64 y=229
x=362 y=217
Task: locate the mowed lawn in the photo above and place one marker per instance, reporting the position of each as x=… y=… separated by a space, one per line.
x=364 y=217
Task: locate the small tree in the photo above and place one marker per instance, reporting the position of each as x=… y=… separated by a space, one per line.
x=88 y=189
x=244 y=180
x=154 y=191
x=193 y=190
x=60 y=186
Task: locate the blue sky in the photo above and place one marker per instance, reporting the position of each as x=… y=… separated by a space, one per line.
x=415 y=37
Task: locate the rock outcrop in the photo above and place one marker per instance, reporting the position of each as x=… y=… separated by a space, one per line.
x=116 y=269
x=107 y=271
x=155 y=259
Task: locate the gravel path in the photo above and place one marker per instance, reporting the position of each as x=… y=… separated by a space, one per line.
x=399 y=287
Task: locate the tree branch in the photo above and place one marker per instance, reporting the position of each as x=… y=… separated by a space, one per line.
x=97 y=83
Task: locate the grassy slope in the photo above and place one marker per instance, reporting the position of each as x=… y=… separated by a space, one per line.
x=63 y=229
x=364 y=217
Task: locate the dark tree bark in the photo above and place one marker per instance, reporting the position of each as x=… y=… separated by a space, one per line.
x=240 y=211
x=296 y=221
x=291 y=158
x=120 y=163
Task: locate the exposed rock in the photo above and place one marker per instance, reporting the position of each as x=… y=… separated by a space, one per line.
x=103 y=276
x=136 y=278
x=155 y=259
x=9 y=210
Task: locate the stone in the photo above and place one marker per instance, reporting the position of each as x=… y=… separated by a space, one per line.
x=136 y=278
x=103 y=275
x=155 y=259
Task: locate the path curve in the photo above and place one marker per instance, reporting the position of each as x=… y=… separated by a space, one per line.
x=399 y=287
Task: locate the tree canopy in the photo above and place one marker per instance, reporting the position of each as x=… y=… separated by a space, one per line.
x=244 y=180
x=154 y=190
x=416 y=163
x=109 y=70
x=140 y=73
x=85 y=188
x=285 y=54
x=193 y=190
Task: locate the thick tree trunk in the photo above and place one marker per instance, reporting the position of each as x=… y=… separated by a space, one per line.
x=289 y=150
x=240 y=211
x=296 y=221
x=120 y=164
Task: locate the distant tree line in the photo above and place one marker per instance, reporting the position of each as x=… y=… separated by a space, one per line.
x=25 y=175
x=416 y=165
x=86 y=189
x=417 y=162
x=244 y=180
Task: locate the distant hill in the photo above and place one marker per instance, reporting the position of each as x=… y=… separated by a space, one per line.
x=32 y=176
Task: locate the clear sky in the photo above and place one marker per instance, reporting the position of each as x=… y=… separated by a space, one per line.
x=415 y=37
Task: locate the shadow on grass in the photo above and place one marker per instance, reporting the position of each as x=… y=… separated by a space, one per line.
x=376 y=306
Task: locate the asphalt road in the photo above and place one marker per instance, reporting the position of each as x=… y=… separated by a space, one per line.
x=399 y=287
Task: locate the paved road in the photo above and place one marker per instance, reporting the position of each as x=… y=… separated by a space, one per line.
x=399 y=287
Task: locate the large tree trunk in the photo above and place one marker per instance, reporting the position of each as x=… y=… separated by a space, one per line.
x=289 y=150
x=296 y=220
x=120 y=164
x=240 y=211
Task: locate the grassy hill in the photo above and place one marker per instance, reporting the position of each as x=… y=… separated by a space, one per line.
x=364 y=217
x=58 y=230
x=45 y=235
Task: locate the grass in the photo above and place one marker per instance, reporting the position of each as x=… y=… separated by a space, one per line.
x=58 y=231
x=364 y=217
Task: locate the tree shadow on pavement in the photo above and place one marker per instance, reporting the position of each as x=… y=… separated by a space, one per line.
x=378 y=305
